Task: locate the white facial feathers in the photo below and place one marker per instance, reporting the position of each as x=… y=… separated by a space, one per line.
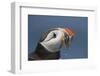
x=54 y=40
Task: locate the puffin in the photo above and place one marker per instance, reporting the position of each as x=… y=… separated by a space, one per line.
x=50 y=44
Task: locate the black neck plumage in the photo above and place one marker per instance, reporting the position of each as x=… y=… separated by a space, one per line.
x=42 y=54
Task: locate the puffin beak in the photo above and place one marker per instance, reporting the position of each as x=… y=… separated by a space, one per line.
x=68 y=35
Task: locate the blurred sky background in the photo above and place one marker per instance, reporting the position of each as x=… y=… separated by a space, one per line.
x=37 y=24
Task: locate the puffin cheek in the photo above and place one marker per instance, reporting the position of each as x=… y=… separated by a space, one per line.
x=49 y=36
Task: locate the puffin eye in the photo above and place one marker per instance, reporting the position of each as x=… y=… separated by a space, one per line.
x=54 y=35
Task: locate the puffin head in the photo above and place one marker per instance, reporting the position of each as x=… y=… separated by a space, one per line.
x=54 y=39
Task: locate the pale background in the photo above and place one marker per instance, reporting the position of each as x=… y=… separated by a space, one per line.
x=5 y=36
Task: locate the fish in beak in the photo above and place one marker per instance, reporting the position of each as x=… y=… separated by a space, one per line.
x=68 y=36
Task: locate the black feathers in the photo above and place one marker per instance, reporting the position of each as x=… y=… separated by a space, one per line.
x=42 y=54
